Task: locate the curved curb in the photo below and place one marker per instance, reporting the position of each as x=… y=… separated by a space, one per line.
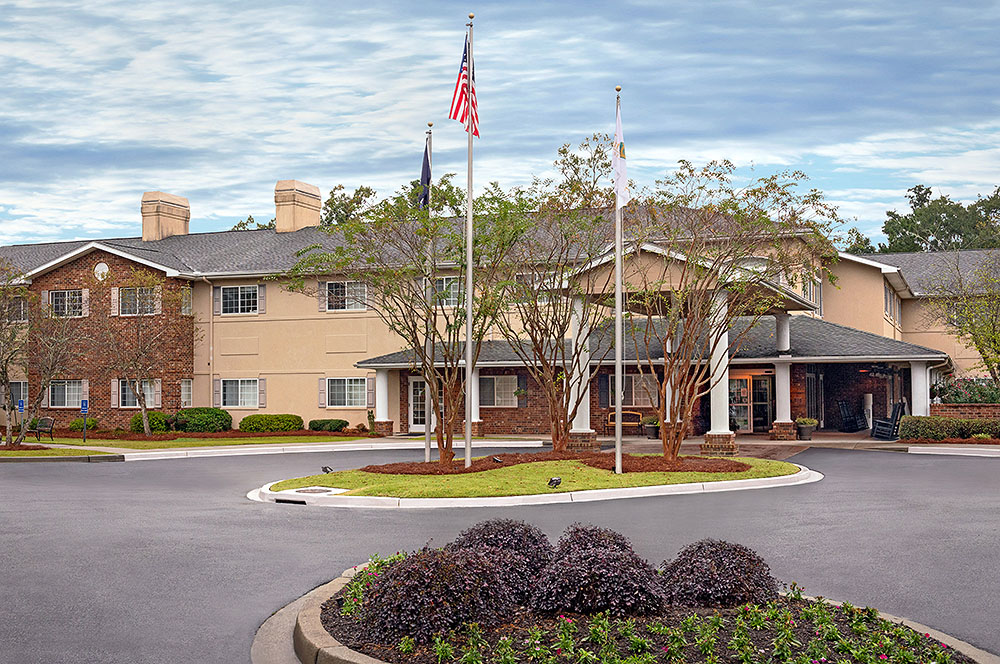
x=332 y=499
x=956 y=451
x=314 y=645
x=85 y=458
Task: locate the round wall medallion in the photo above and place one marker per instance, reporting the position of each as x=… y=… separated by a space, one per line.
x=101 y=271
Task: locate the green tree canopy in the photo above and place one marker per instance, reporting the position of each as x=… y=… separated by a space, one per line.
x=940 y=224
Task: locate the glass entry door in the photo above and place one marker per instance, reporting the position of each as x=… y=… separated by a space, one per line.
x=751 y=403
x=762 y=400
x=418 y=416
x=739 y=404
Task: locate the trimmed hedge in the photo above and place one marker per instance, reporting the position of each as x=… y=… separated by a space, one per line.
x=268 y=422
x=599 y=579
x=933 y=427
x=327 y=425
x=714 y=573
x=582 y=537
x=157 y=422
x=77 y=424
x=202 y=420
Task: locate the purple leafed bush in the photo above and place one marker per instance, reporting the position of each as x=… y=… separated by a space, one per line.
x=509 y=535
x=580 y=537
x=713 y=573
x=433 y=591
x=598 y=579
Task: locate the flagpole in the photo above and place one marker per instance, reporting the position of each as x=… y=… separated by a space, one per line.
x=619 y=341
x=428 y=337
x=468 y=264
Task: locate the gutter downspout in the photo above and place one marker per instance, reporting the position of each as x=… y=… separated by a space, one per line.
x=211 y=341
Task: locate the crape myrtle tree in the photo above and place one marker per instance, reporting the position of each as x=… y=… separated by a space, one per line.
x=551 y=298
x=130 y=334
x=965 y=297
x=699 y=234
x=412 y=263
x=15 y=301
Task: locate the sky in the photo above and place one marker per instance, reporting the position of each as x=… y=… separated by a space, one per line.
x=216 y=101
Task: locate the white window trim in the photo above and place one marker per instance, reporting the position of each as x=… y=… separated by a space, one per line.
x=66 y=290
x=121 y=301
x=222 y=300
x=445 y=288
x=512 y=402
x=631 y=378
x=21 y=390
x=22 y=305
x=187 y=301
x=75 y=406
x=345 y=282
x=124 y=389
x=189 y=403
x=239 y=392
x=364 y=392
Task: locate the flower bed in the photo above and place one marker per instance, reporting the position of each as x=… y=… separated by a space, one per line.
x=121 y=434
x=591 y=599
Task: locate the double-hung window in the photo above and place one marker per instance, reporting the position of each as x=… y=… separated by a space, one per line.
x=498 y=391
x=127 y=397
x=18 y=391
x=239 y=299
x=66 y=303
x=345 y=295
x=186 y=393
x=639 y=391
x=137 y=301
x=239 y=393
x=17 y=310
x=65 y=393
x=446 y=291
x=347 y=392
x=187 y=301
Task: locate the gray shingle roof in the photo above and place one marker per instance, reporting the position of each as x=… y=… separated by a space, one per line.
x=810 y=338
x=923 y=269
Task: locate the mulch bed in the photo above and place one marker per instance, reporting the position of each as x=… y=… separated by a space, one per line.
x=630 y=464
x=174 y=435
x=346 y=630
x=22 y=448
x=950 y=441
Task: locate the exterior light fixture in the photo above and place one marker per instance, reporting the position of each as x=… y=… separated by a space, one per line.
x=554 y=482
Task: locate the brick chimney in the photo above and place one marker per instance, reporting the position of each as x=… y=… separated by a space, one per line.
x=164 y=215
x=297 y=205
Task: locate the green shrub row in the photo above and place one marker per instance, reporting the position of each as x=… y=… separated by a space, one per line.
x=201 y=420
x=935 y=427
x=158 y=422
x=77 y=424
x=268 y=422
x=327 y=425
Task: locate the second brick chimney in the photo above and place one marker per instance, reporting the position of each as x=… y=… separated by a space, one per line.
x=296 y=205
x=164 y=215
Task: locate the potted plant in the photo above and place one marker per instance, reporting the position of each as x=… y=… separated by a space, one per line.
x=651 y=426
x=806 y=426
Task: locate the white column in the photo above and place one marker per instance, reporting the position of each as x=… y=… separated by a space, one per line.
x=668 y=388
x=580 y=383
x=381 y=395
x=783 y=391
x=920 y=389
x=719 y=394
x=475 y=394
x=782 y=338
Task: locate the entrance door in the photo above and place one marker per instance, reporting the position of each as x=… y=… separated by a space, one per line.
x=739 y=404
x=762 y=402
x=418 y=416
x=814 y=396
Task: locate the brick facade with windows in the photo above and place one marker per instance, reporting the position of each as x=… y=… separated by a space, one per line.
x=175 y=358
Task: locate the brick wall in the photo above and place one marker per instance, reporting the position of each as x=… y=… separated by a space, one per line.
x=846 y=382
x=967 y=410
x=175 y=359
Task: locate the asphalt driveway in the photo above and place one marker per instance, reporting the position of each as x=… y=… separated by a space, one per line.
x=167 y=561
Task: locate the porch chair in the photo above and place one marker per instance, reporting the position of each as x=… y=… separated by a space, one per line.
x=888 y=429
x=850 y=419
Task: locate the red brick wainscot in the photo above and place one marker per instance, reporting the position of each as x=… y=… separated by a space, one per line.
x=984 y=411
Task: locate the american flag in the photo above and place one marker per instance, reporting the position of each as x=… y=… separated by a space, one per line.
x=460 y=101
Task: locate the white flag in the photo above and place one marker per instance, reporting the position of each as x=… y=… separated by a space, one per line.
x=622 y=196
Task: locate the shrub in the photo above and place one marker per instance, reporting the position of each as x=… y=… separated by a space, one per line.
x=933 y=427
x=980 y=436
x=713 y=573
x=77 y=424
x=327 y=425
x=361 y=583
x=268 y=422
x=806 y=421
x=157 y=422
x=509 y=535
x=361 y=427
x=598 y=579
x=581 y=537
x=968 y=390
x=651 y=420
x=202 y=420
x=431 y=592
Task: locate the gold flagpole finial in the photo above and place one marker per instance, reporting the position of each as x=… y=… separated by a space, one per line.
x=471 y=16
x=430 y=124
x=618 y=88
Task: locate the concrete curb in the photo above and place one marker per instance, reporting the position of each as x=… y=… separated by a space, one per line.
x=314 y=645
x=90 y=458
x=975 y=451
x=332 y=499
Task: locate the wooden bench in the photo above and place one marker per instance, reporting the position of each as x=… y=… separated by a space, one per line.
x=44 y=425
x=630 y=418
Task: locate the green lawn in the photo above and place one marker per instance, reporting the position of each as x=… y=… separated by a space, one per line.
x=519 y=480
x=47 y=453
x=204 y=442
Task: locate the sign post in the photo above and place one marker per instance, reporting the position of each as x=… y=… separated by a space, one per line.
x=84 y=407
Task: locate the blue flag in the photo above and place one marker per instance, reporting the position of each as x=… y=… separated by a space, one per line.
x=425 y=177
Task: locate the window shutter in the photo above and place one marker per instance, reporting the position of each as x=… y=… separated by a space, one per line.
x=3 y=395
x=115 y=307
x=45 y=300
x=157 y=393
x=321 y=295
x=322 y=392
x=487 y=391
x=217 y=393
x=217 y=302
x=369 y=298
x=522 y=388
x=261 y=298
x=45 y=397
x=262 y=392
x=158 y=301
x=370 y=385
x=85 y=302
x=603 y=391
x=114 y=393
x=85 y=389
x=27 y=384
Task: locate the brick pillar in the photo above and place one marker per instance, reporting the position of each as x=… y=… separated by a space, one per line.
x=720 y=444
x=383 y=428
x=583 y=441
x=783 y=431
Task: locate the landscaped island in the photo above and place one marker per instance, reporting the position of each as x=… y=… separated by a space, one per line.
x=526 y=474
x=502 y=593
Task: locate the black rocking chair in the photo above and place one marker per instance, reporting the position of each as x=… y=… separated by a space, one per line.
x=850 y=420
x=883 y=429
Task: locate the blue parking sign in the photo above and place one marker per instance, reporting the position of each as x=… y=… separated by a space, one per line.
x=84 y=403
x=20 y=406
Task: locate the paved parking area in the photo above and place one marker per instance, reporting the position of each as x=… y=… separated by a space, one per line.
x=166 y=561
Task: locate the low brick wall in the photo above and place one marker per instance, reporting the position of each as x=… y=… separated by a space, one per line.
x=986 y=411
